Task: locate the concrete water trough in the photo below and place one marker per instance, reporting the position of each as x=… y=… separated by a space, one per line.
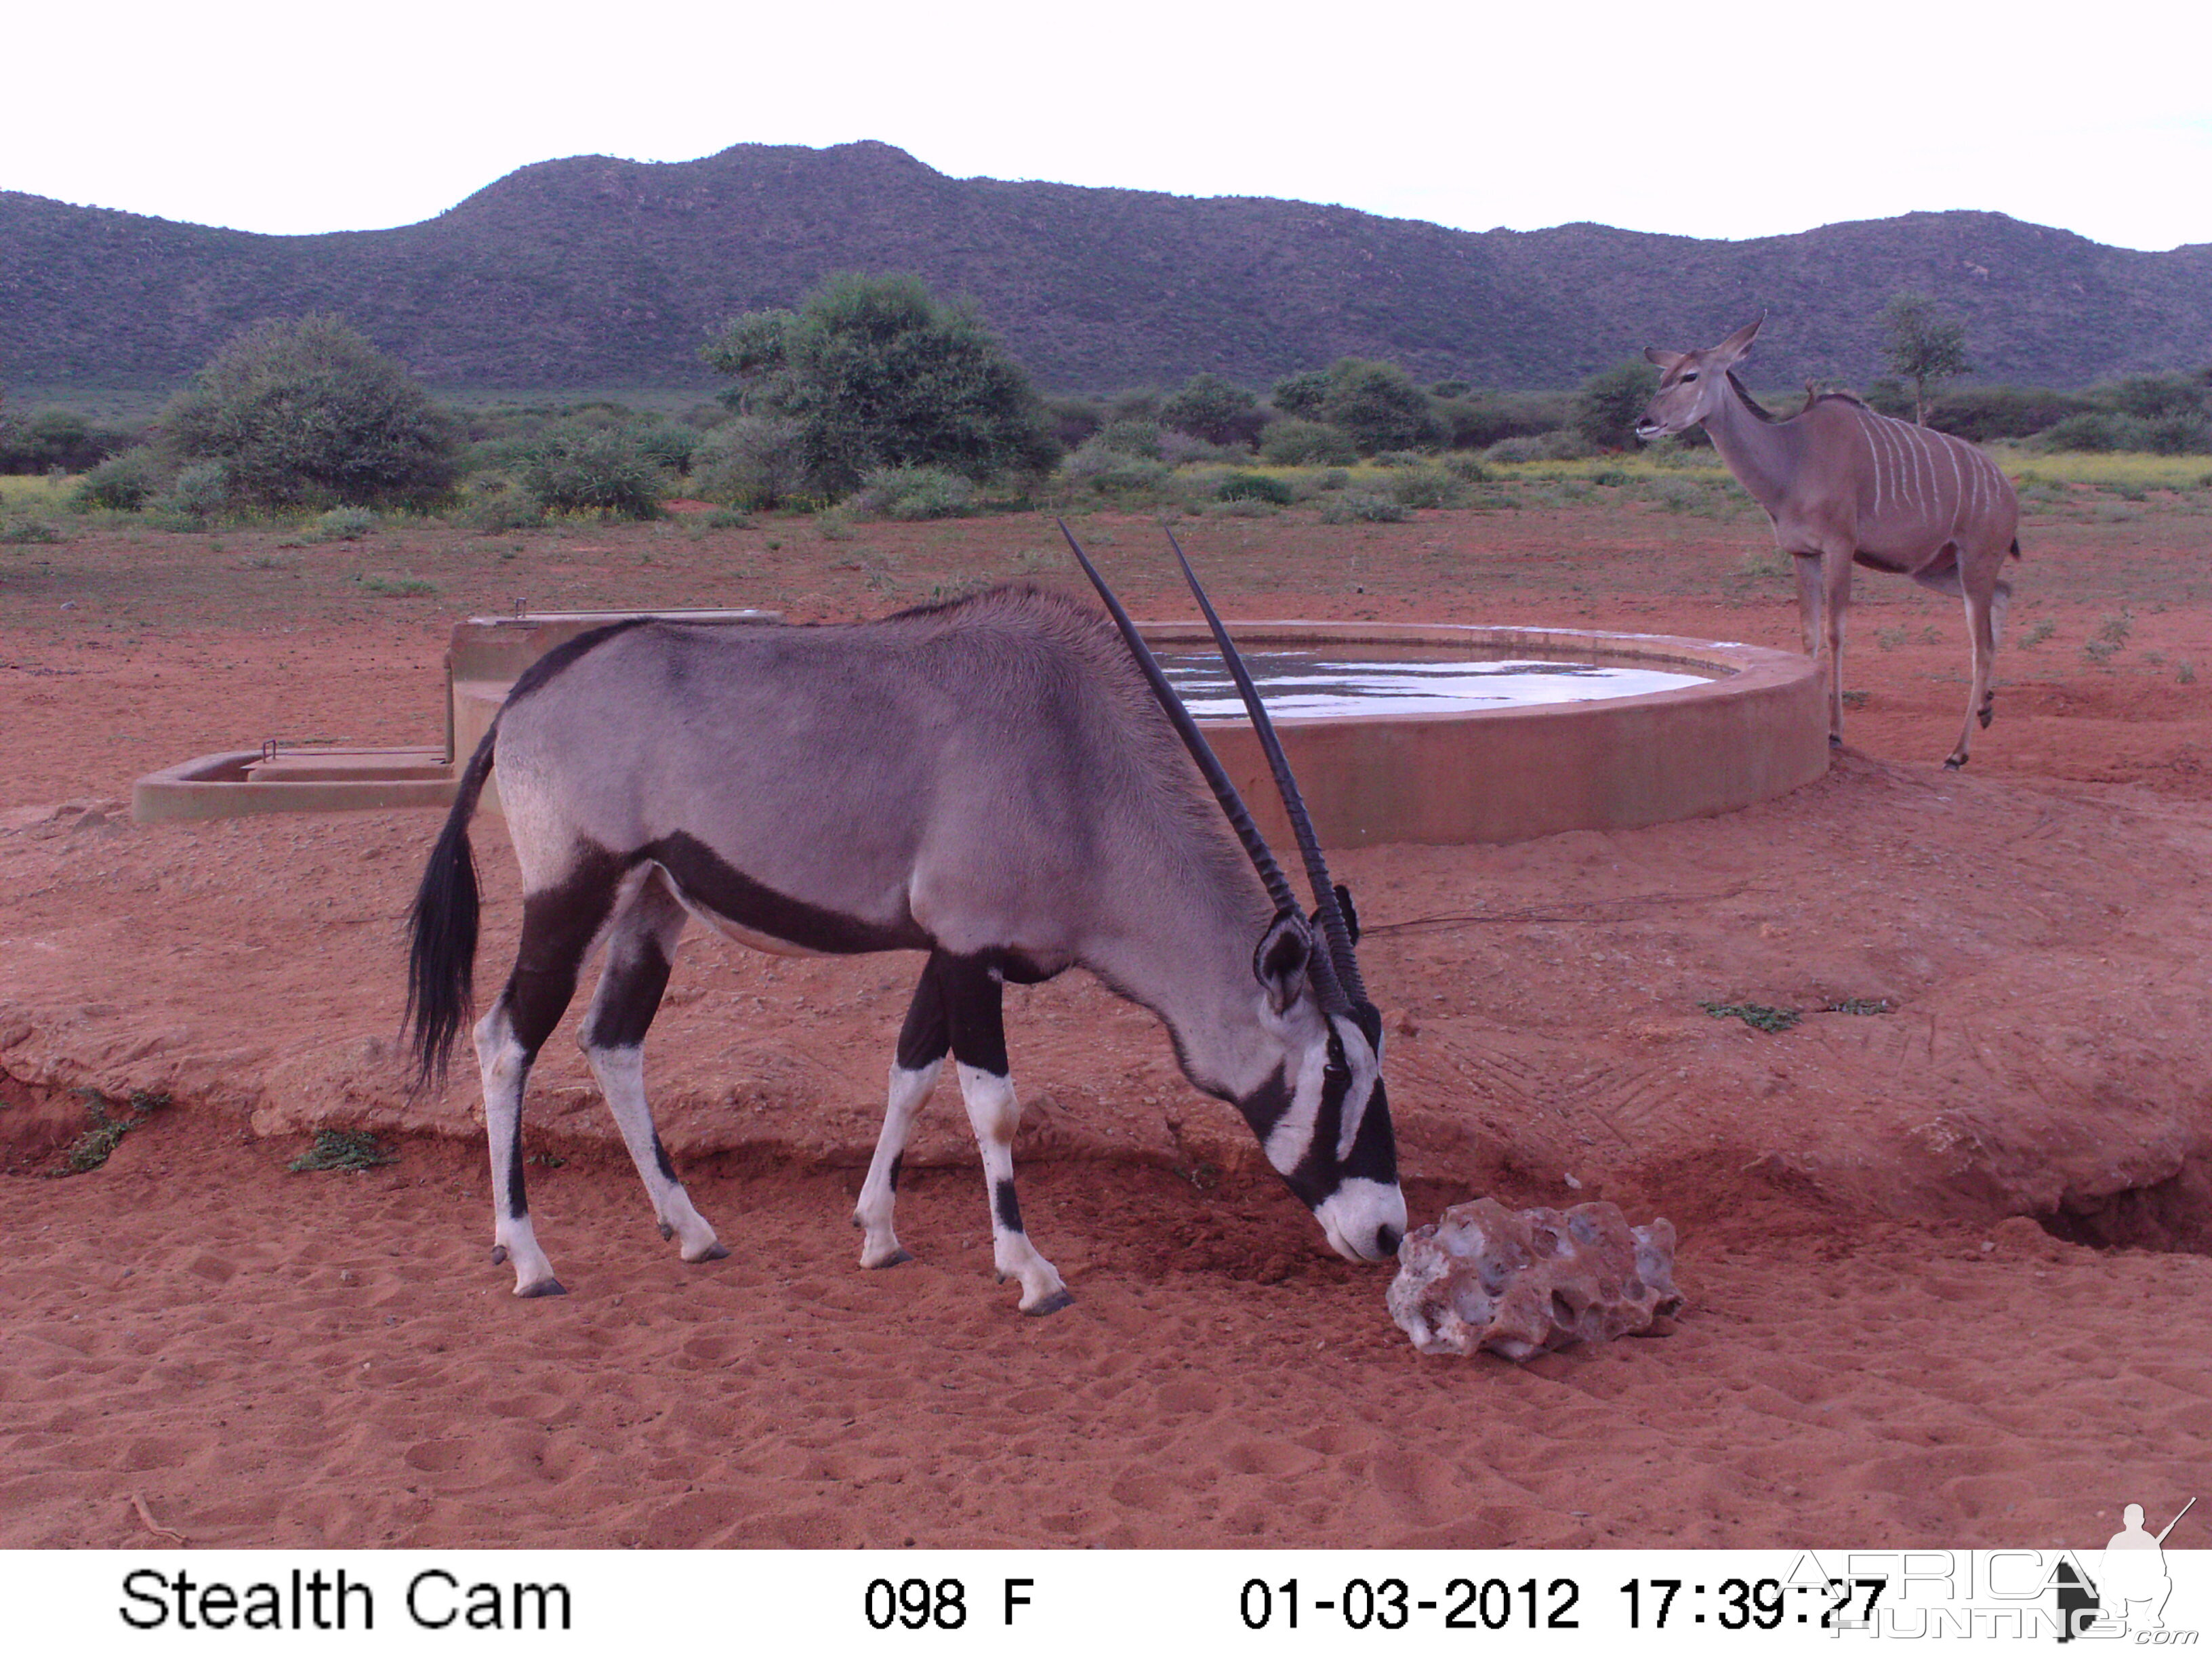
x=1397 y=733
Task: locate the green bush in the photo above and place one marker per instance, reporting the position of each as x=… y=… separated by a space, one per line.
x=574 y=467
x=1295 y=442
x=122 y=483
x=305 y=411
x=496 y=502
x=1424 y=486
x=876 y=372
x=1609 y=404
x=670 y=444
x=1209 y=407
x=755 y=462
x=1254 y=487
x=343 y=524
x=1301 y=396
x=1379 y=408
x=25 y=531
x=1099 y=466
x=200 y=493
x=2103 y=430
x=1981 y=414
x=910 y=493
x=1362 y=507
x=56 y=439
x=1138 y=437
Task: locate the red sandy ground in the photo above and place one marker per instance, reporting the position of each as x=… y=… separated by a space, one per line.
x=1884 y=1344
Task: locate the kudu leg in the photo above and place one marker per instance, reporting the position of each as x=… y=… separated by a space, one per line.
x=973 y=1007
x=559 y=924
x=640 y=947
x=1835 y=600
x=1984 y=611
x=923 y=1043
x=1807 y=568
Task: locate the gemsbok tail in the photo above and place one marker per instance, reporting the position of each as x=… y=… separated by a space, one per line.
x=441 y=932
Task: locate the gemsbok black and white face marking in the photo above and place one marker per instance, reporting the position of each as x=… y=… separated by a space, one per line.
x=994 y=782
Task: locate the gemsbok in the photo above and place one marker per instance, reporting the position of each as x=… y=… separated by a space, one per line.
x=1841 y=483
x=996 y=781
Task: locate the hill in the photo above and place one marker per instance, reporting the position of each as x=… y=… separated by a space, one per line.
x=594 y=272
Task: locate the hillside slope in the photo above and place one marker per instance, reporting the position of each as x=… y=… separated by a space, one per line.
x=593 y=271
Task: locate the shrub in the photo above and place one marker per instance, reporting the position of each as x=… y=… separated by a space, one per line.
x=1424 y=486
x=1362 y=507
x=916 y=492
x=1564 y=445
x=755 y=462
x=2102 y=431
x=1609 y=404
x=1073 y=419
x=1301 y=396
x=56 y=439
x=876 y=372
x=200 y=493
x=1478 y=423
x=670 y=444
x=343 y=524
x=1378 y=406
x=24 y=531
x=1208 y=406
x=1113 y=470
x=496 y=502
x=1305 y=443
x=1254 y=487
x=305 y=411
x=573 y=467
x=1139 y=437
x=122 y=483
x=1979 y=414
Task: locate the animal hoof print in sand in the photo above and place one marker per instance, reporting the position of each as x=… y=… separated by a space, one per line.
x=543 y=1287
x=1051 y=1304
x=499 y=1255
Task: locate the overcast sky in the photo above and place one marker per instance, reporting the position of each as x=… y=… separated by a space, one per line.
x=1714 y=119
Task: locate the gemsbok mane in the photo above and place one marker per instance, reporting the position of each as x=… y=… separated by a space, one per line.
x=998 y=782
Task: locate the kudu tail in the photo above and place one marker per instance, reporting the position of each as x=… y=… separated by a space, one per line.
x=441 y=932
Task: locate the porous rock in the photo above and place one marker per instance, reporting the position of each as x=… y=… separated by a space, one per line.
x=1483 y=1276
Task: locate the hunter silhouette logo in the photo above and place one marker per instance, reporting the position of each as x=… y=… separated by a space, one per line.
x=2130 y=1585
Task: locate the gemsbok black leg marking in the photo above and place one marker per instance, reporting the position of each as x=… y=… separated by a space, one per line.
x=924 y=1040
x=641 y=945
x=974 y=1008
x=559 y=924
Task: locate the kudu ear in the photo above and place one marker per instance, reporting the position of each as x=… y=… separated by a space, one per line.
x=1343 y=904
x=1280 y=962
x=1731 y=350
x=1664 y=358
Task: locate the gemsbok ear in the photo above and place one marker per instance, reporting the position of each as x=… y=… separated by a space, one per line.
x=1664 y=358
x=1280 y=962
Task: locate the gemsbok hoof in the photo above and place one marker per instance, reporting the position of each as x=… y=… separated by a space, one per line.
x=1955 y=762
x=1051 y=1304
x=714 y=1252
x=1987 y=715
x=667 y=1232
x=1834 y=741
x=543 y=1287
x=897 y=1258
x=499 y=1255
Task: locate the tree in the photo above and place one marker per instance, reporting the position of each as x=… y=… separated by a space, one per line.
x=1921 y=347
x=1378 y=405
x=1206 y=406
x=304 y=411
x=1608 y=404
x=875 y=372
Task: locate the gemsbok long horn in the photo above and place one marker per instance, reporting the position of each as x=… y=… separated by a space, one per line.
x=1331 y=913
x=1240 y=818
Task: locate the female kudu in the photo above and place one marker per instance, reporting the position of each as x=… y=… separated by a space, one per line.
x=1844 y=484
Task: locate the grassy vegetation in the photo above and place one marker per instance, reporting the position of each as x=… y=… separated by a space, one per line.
x=342 y=1149
x=109 y=1124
